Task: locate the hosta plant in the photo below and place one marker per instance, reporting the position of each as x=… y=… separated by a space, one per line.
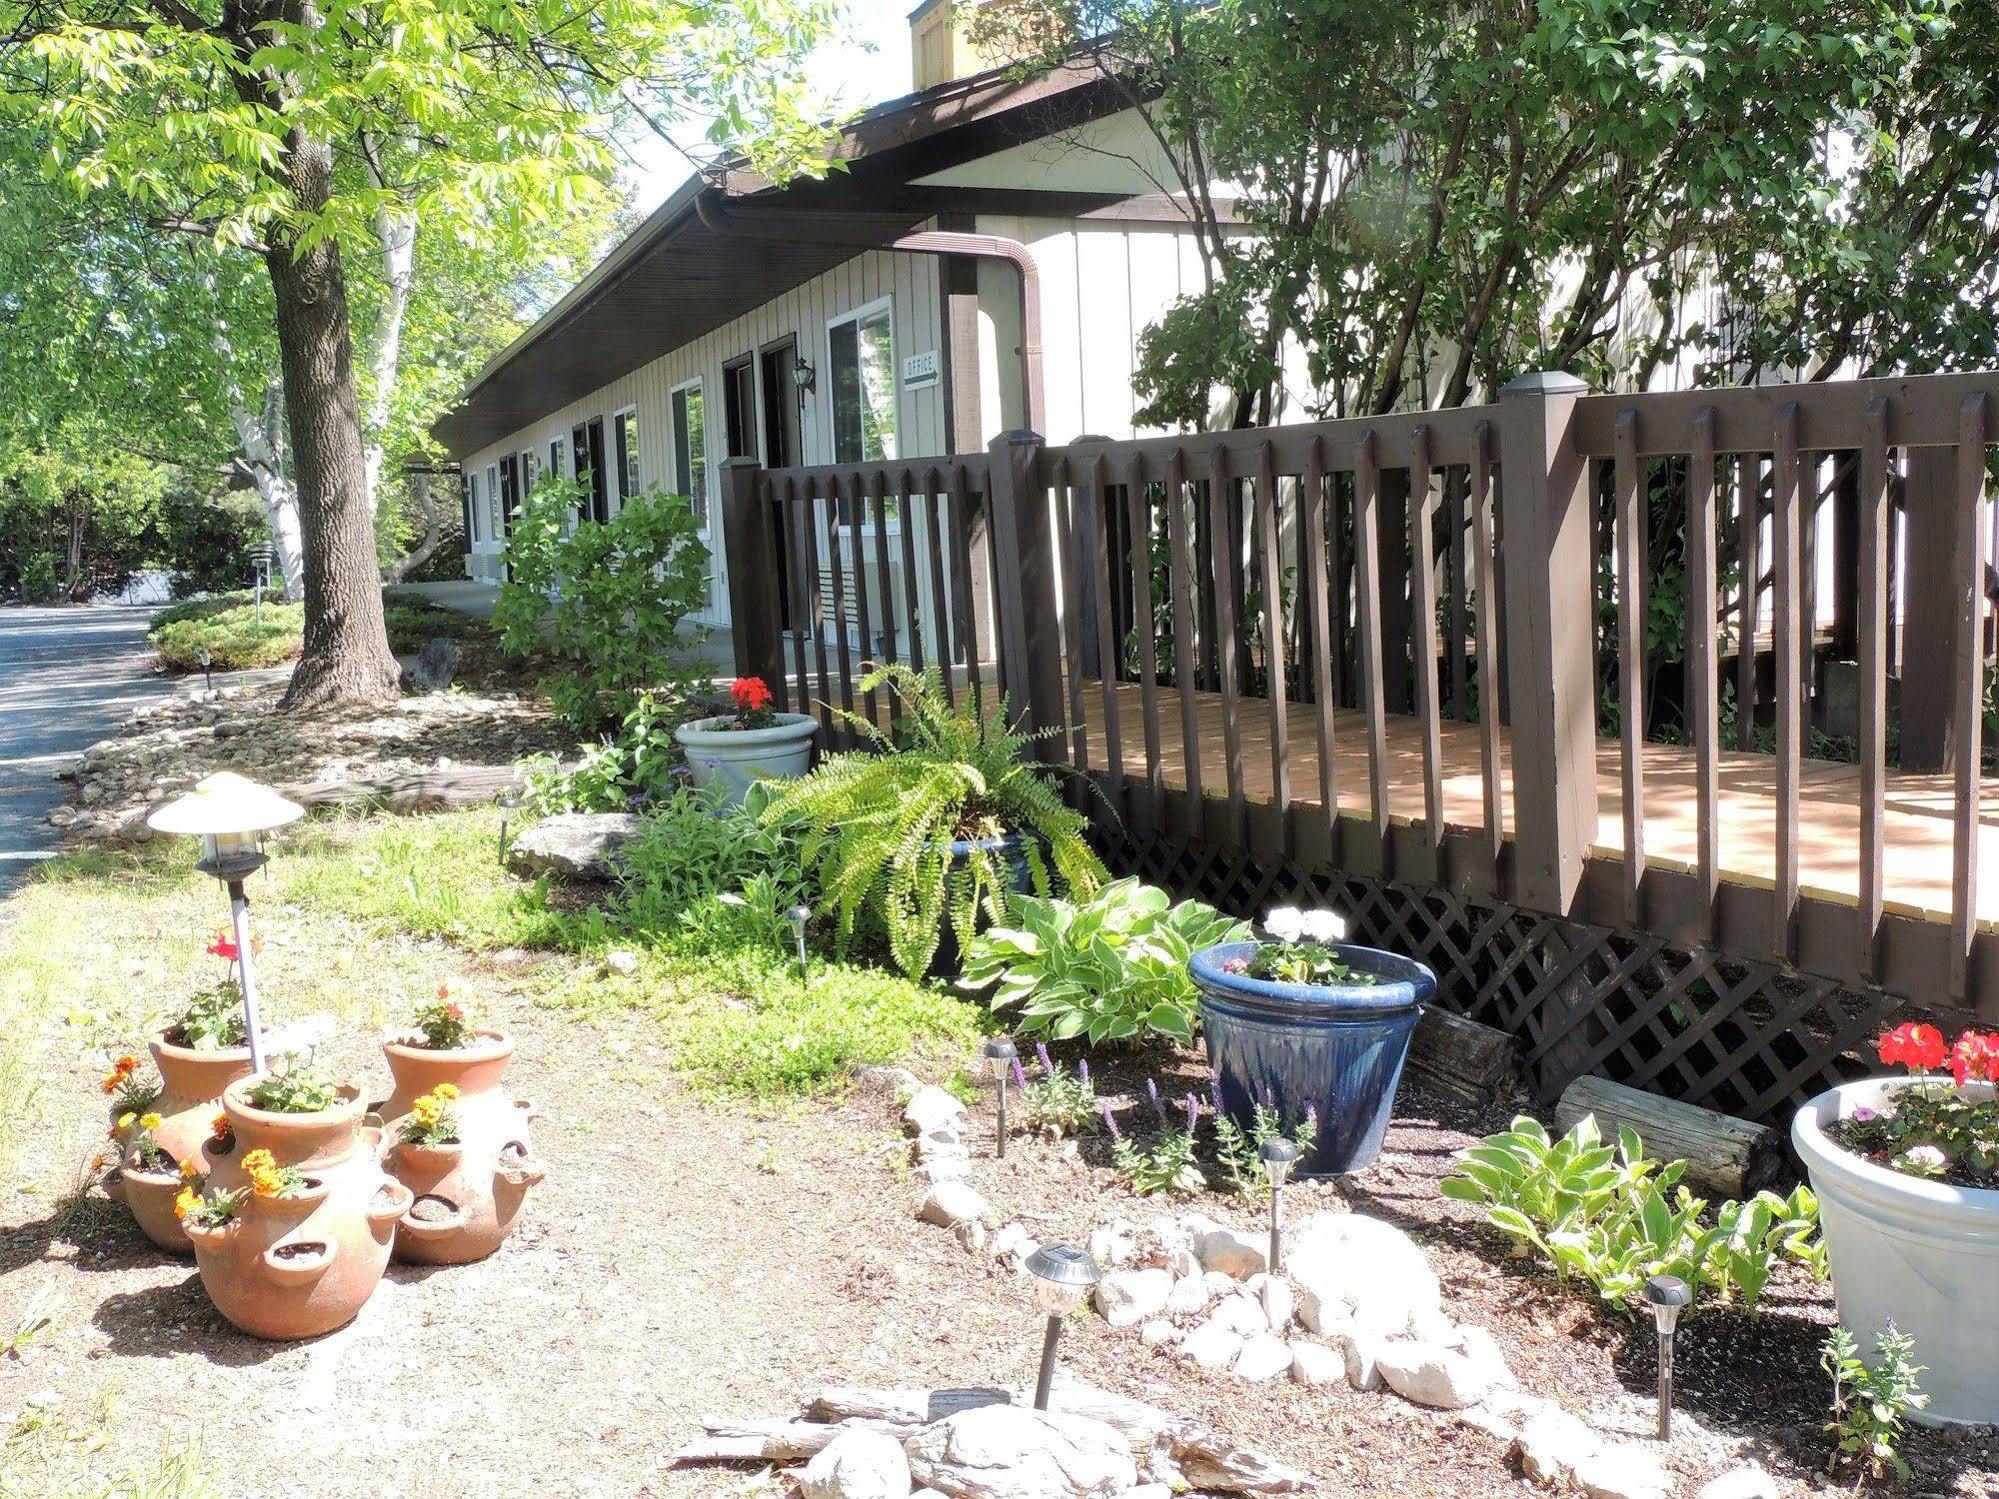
x=1940 y=1126
x=878 y=823
x=1608 y=1215
x=1108 y=968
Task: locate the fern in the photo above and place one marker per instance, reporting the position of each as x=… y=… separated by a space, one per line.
x=878 y=823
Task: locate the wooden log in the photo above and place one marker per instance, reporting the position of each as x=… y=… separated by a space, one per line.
x=1725 y=1156
x=906 y=1407
x=772 y=1441
x=1462 y=1059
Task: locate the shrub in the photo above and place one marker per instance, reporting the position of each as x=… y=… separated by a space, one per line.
x=1107 y=968
x=708 y=877
x=1870 y=1403
x=607 y=600
x=236 y=636
x=631 y=768
x=38 y=578
x=1612 y=1217
x=878 y=825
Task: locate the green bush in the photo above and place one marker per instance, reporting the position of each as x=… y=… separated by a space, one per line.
x=38 y=578
x=1608 y=1215
x=615 y=773
x=608 y=600
x=1108 y=968
x=707 y=879
x=879 y=822
x=411 y=622
x=236 y=638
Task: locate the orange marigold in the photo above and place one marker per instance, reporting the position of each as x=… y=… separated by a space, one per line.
x=219 y=1127
x=184 y=1202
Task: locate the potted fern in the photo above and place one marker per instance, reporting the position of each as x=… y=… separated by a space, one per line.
x=930 y=833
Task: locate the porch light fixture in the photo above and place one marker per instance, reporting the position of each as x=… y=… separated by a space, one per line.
x=1279 y=1156
x=804 y=377
x=1668 y=1296
x=230 y=814
x=799 y=916
x=1001 y=1054
x=1063 y=1276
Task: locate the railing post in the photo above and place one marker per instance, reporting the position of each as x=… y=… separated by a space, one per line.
x=756 y=612
x=1030 y=640
x=1550 y=611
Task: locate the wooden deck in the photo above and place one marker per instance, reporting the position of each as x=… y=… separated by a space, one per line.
x=1917 y=854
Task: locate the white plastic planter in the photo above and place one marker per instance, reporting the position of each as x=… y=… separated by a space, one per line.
x=1921 y=1253
x=735 y=759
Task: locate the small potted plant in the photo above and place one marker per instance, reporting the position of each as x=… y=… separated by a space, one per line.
x=1906 y=1170
x=1310 y=1025
x=289 y=1211
x=458 y=1138
x=753 y=742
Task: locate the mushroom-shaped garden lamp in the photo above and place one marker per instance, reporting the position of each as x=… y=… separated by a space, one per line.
x=1279 y=1156
x=1001 y=1054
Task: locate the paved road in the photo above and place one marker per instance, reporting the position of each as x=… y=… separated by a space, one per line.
x=67 y=678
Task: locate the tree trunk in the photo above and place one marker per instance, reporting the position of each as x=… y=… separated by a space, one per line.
x=346 y=656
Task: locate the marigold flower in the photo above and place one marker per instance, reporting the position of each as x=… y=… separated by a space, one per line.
x=1920 y=1048
x=259 y=1160
x=184 y=1202
x=266 y=1183
x=127 y=1119
x=99 y=1161
x=219 y=1127
x=446 y=1090
x=190 y=1169
x=150 y=1121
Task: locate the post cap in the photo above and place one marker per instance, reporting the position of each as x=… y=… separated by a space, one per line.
x=1018 y=437
x=1545 y=383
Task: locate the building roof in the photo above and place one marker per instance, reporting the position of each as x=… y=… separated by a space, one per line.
x=718 y=249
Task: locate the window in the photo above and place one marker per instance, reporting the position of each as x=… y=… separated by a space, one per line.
x=530 y=472
x=474 y=519
x=739 y=406
x=625 y=434
x=510 y=492
x=493 y=529
x=690 y=448
x=862 y=354
x=587 y=452
x=555 y=457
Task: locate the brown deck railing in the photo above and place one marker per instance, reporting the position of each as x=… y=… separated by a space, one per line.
x=1202 y=624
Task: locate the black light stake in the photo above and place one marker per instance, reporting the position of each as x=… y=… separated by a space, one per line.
x=508 y=801
x=798 y=916
x=1667 y=1295
x=1001 y=1054
x=1063 y=1276
x=207 y=676
x=1279 y=1156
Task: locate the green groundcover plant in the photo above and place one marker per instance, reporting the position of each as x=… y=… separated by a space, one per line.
x=1610 y=1216
x=1108 y=968
x=1871 y=1400
x=878 y=823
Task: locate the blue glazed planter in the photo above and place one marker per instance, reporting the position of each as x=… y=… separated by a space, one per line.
x=1011 y=854
x=1338 y=1048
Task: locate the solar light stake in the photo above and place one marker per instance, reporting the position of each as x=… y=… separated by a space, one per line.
x=1001 y=1054
x=1279 y=1156
x=1667 y=1295
x=508 y=801
x=1063 y=1276
x=799 y=916
x=207 y=676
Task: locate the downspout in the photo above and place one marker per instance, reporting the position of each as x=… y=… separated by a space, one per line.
x=941 y=242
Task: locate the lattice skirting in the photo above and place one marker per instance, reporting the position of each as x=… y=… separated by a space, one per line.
x=1750 y=1039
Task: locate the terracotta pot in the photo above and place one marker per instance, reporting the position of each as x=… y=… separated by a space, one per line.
x=469 y=1193
x=299 y=1266
x=191 y=1084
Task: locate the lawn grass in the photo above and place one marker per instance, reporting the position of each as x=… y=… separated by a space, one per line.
x=360 y=915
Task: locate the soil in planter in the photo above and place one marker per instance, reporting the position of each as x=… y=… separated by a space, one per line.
x=430 y=1208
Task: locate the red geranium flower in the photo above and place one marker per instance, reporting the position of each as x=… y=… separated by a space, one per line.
x=1975 y=1058
x=750 y=693
x=1917 y=1047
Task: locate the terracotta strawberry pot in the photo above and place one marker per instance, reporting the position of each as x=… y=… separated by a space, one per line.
x=191 y=1084
x=303 y=1264
x=467 y=1193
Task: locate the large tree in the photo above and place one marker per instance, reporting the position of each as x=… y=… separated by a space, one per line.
x=298 y=133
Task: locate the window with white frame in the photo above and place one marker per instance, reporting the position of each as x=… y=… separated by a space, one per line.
x=860 y=350
x=493 y=522
x=475 y=518
x=555 y=457
x=625 y=452
x=690 y=447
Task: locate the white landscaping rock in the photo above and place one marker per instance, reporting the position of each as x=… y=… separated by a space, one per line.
x=950 y=1203
x=1483 y=1350
x=1013 y=1244
x=1213 y=1348
x=1263 y=1357
x=857 y=1464
x=1012 y=1452
x=932 y=1111
x=1114 y=1245
x=1553 y=1443
x=1750 y=1481
x=1233 y=1254
x=574 y=845
x=1129 y=1297
x=1189 y=1297
x=1317 y=1364
x=1352 y=1268
x=1157 y=1334
x=622 y=962
x=1623 y=1472
x=1241 y=1315
x=1273 y=1293
x=1438 y=1377
x=1184 y=1263
x=1362 y=1350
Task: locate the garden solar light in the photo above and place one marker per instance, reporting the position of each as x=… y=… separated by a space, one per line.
x=229 y=813
x=1001 y=1054
x=509 y=799
x=1667 y=1295
x=1063 y=1276
x=798 y=916
x=207 y=676
x=1279 y=1156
